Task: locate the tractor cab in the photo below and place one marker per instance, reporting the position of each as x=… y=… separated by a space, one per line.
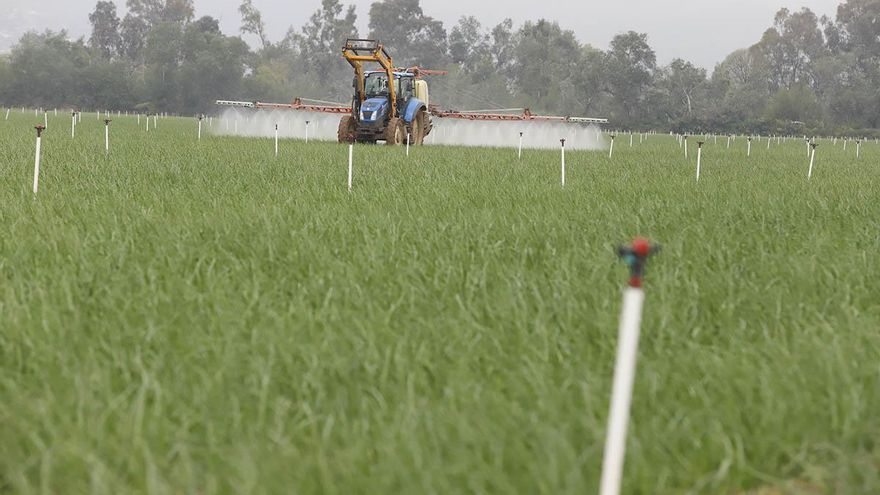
x=389 y=104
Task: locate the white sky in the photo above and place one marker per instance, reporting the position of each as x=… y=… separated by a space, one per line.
x=702 y=31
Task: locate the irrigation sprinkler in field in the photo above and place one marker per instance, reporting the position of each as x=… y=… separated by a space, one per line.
x=107 y=135
x=749 y=152
x=40 y=130
x=72 y=125
x=407 y=145
x=630 y=140
x=844 y=143
x=813 y=147
x=276 y=140
x=7 y=114
x=46 y=120
x=79 y=117
x=858 y=148
x=562 y=142
x=307 y=133
x=200 y=126
x=768 y=142
x=699 y=157
x=636 y=257
x=611 y=149
x=685 y=147
x=519 y=149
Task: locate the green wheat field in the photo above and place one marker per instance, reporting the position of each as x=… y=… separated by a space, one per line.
x=189 y=317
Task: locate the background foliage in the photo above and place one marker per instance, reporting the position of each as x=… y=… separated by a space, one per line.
x=806 y=74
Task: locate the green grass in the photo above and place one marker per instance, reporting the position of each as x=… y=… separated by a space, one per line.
x=185 y=318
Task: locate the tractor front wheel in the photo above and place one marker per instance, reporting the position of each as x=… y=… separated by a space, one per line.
x=395 y=133
x=347 y=129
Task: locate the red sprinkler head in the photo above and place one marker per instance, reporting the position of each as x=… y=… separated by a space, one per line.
x=40 y=128
x=636 y=257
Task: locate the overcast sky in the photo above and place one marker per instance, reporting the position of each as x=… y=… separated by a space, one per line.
x=702 y=31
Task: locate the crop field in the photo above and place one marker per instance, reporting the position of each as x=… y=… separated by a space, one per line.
x=201 y=317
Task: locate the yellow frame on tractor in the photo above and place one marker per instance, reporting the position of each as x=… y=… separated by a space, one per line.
x=359 y=51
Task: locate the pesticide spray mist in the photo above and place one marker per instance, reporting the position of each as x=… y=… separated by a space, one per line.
x=453 y=132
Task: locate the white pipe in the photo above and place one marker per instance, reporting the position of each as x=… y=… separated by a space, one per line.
x=611 y=148
x=563 y=163
x=407 y=144
x=749 y=152
x=519 y=150
x=728 y=142
x=276 y=140
x=37 y=164
x=621 y=395
x=200 y=129
x=699 y=158
x=7 y=114
x=350 y=155
x=307 y=133
x=630 y=140
x=106 y=138
x=46 y=120
x=73 y=126
x=812 y=159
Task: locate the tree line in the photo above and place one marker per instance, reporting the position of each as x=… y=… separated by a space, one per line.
x=806 y=74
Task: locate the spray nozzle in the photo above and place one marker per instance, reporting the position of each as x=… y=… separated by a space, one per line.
x=635 y=256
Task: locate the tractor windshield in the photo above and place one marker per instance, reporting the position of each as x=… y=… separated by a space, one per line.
x=376 y=84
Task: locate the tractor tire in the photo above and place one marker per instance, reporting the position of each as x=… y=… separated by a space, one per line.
x=418 y=128
x=347 y=129
x=395 y=133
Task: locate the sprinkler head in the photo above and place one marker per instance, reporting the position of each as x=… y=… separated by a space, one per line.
x=814 y=145
x=107 y=121
x=563 y=142
x=520 y=133
x=612 y=137
x=750 y=138
x=636 y=257
x=700 y=144
x=40 y=128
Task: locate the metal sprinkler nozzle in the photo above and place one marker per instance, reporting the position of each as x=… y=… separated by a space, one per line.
x=563 y=142
x=814 y=145
x=636 y=257
x=40 y=128
x=107 y=121
x=700 y=144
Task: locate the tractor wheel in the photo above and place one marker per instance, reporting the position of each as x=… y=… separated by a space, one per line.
x=346 y=129
x=395 y=133
x=418 y=128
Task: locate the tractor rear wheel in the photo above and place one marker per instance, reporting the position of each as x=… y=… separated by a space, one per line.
x=395 y=133
x=347 y=129
x=418 y=128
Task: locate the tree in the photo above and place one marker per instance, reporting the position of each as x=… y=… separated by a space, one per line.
x=105 y=36
x=320 y=43
x=548 y=57
x=790 y=47
x=630 y=66
x=133 y=39
x=469 y=45
x=412 y=37
x=252 y=22
x=683 y=81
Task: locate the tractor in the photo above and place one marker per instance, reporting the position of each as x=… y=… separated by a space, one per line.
x=389 y=104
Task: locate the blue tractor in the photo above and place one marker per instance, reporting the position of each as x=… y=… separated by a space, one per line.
x=389 y=105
